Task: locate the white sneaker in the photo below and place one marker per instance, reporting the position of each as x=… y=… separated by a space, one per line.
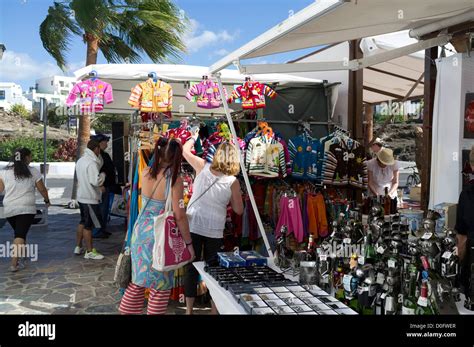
x=78 y=250
x=93 y=255
x=22 y=263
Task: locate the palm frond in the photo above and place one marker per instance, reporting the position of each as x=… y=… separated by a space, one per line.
x=115 y=50
x=56 y=31
x=153 y=27
x=124 y=28
x=93 y=16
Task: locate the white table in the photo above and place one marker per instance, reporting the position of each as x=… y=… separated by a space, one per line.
x=460 y=306
x=223 y=299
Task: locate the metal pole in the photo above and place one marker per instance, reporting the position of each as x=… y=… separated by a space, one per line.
x=242 y=166
x=44 y=118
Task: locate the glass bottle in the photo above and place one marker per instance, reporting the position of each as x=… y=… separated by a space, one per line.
x=369 y=249
x=409 y=297
x=310 y=252
x=387 y=203
x=423 y=305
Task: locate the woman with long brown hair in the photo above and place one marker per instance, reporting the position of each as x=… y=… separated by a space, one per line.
x=161 y=179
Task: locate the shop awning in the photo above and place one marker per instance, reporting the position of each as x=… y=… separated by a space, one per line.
x=332 y=21
x=392 y=80
x=123 y=77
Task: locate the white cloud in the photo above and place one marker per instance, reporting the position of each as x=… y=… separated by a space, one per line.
x=222 y=52
x=16 y=67
x=197 y=38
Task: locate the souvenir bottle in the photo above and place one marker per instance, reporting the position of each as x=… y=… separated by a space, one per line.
x=387 y=202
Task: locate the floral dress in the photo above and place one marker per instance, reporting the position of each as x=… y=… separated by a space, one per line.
x=143 y=240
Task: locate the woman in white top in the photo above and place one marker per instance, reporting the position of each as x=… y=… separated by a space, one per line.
x=383 y=173
x=214 y=187
x=19 y=181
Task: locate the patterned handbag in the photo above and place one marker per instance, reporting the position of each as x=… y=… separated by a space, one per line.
x=169 y=251
x=123 y=267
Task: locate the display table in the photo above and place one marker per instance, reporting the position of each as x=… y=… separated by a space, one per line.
x=225 y=301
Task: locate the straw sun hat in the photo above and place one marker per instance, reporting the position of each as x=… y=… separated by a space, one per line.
x=385 y=156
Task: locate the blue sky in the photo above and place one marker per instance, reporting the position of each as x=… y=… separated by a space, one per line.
x=217 y=28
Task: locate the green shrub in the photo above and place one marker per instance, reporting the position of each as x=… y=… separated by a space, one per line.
x=20 y=110
x=8 y=147
x=55 y=120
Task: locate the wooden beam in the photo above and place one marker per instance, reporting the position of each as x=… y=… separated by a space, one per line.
x=430 y=84
x=355 y=94
x=411 y=98
x=460 y=43
x=392 y=74
x=368 y=124
x=384 y=92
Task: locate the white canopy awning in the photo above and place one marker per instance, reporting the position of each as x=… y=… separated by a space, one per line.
x=123 y=77
x=332 y=21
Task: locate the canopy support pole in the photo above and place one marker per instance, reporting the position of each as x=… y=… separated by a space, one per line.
x=242 y=166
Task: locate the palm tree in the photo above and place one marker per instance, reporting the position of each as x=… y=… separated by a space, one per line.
x=121 y=29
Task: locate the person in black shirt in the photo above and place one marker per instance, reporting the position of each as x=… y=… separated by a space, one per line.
x=108 y=168
x=465 y=236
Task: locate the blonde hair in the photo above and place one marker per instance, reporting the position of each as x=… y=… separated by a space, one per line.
x=471 y=156
x=226 y=160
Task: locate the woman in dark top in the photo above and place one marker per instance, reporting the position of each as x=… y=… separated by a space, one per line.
x=465 y=229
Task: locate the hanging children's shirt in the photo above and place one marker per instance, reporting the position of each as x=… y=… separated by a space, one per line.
x=211 y=144
x=345 y=163
x=93 y=95
x=265 y=157
x=286 y=153
x=149 y=96
x=290 y=216
x=252 y=95
x=304 y=153
x=325 y=143
x=207 y=94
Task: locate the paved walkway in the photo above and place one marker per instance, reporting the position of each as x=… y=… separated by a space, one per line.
x=60 y=282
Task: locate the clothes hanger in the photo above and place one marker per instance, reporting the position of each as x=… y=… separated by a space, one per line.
x=154 y=76
x=93 y=74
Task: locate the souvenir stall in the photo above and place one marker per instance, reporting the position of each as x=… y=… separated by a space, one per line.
x=375 y=260
x=165 y=100
x=307 y=242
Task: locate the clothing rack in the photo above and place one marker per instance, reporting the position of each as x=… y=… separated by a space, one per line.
x=340 y=129
x=280 y=121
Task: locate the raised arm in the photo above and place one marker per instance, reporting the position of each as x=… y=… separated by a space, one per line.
x=193 y=160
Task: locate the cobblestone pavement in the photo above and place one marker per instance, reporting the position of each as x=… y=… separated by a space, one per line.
x=60 y=282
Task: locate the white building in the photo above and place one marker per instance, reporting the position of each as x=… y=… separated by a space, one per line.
x=56 y=85
x=12 y=94
x=54 y=89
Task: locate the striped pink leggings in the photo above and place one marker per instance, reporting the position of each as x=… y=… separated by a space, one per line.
x=134 y=299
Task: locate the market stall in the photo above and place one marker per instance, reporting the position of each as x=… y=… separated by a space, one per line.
x=176 y=103
x=402 y=256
